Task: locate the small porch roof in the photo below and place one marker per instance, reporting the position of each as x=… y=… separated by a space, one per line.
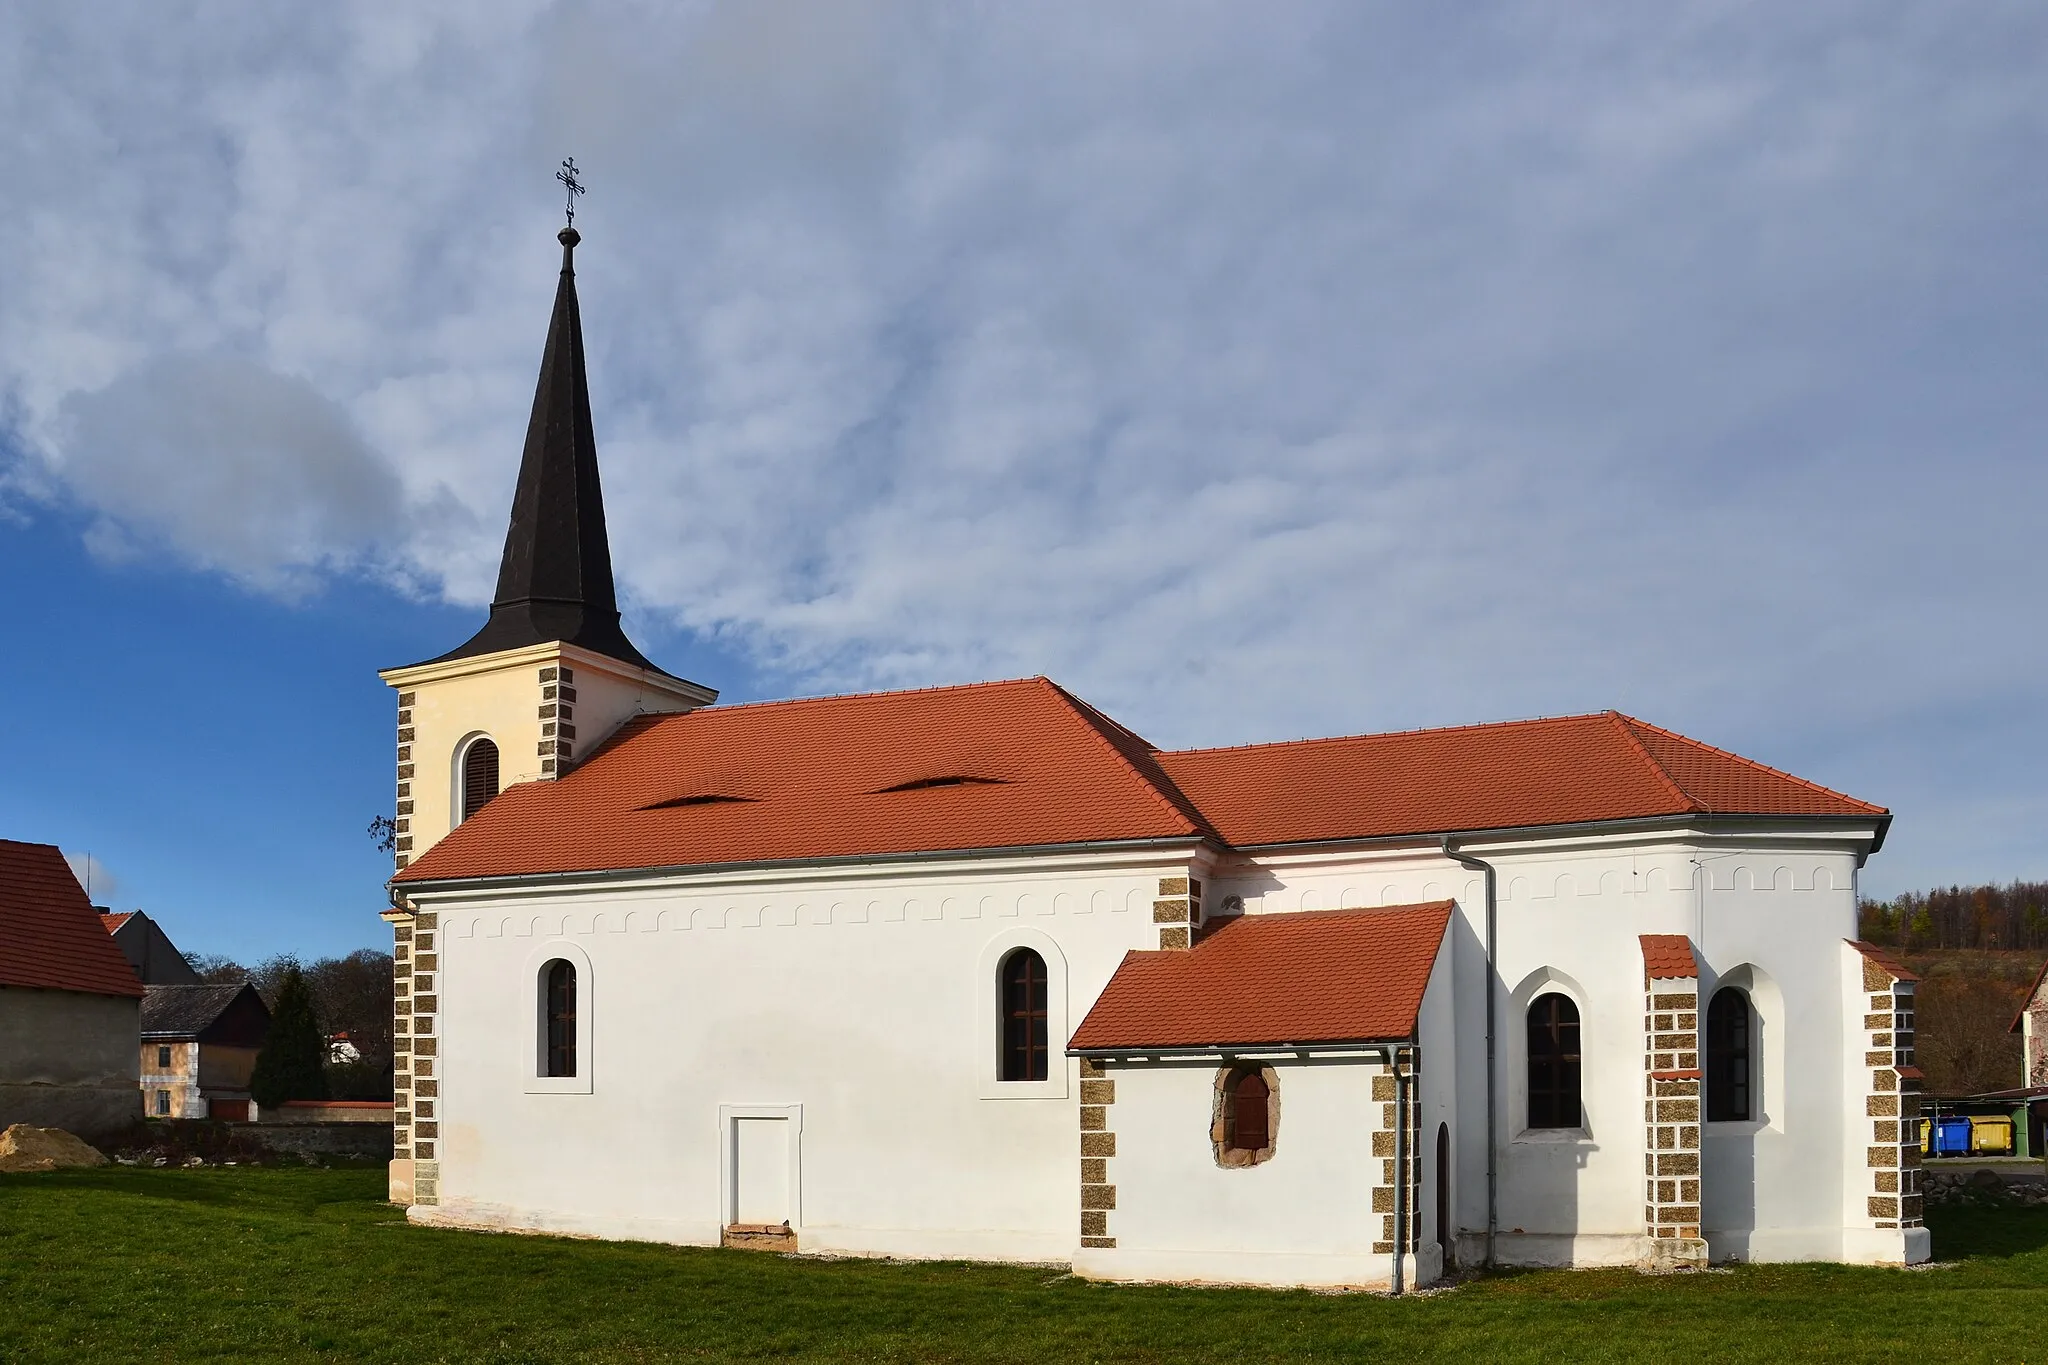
x=1318 y=977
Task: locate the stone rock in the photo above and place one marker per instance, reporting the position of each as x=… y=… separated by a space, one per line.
x=1989 y=1181
x=25 y=1147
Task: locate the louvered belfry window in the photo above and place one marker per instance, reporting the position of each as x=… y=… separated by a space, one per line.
x=1024 y=1026
x=1245 y=1126
x=1553 y=1062
x=561 y=1015
x=479 y=776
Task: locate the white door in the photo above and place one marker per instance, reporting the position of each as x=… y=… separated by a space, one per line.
x=761 y=1170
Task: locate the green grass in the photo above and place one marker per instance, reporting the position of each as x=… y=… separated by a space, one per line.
x=254 y=1264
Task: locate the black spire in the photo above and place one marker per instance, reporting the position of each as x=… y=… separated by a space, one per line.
x=555 y=582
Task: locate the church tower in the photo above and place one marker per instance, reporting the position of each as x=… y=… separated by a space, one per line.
x=551 y=674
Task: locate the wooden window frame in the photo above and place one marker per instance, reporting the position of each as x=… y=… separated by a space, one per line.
x=558 y=1008
x=1730 y=1057
x=1566 y=1090
x=533 y=1061
x=987 y=1021
x=1225 y=1123
x=1024 y=992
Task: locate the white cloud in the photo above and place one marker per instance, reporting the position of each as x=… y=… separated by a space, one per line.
x=244 y=470
x=1373 y=366
x=100 y=884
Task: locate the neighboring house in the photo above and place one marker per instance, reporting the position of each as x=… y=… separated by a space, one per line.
x=199 y=1046
x=68 y=1002
x=2031 y=1023
x=978 y=972
x=149 y=950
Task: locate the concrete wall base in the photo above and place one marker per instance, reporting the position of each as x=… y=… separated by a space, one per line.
x=1886 y=1246
x=1267 y=1269
x=1674 y=1253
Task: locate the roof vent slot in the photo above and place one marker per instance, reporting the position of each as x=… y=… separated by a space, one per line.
x=701 y=799
x=952 y=780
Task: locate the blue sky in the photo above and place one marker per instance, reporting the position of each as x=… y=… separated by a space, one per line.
x=1370 y=367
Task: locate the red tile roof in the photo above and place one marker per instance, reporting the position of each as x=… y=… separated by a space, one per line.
x=993 y=765
x=1568 y=770
x=50 y=938
x=1319 y=976
x=114 y=922
x=1668 y=957
x=1884 y=959
x=1018 y=764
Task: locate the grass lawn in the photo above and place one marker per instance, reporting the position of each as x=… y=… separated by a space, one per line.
x=251 y=1264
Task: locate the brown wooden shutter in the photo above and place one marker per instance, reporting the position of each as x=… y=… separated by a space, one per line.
x=479 y=776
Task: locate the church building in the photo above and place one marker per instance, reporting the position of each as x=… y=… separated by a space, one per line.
x=977 y=972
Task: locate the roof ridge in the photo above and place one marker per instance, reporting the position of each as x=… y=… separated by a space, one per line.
x=1385 y=734
x=1635 y=743
x=858 y=696
x=1752 y=763
x=1177 y=802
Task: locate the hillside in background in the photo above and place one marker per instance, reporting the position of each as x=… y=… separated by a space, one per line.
x=1966 y=1002
x=1976 y=950
x=2011 y=916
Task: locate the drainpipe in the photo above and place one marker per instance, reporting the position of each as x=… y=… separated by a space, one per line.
x=1492 y=1080
x=1402 y=1184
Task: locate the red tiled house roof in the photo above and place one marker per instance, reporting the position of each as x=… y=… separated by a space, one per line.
x=1318 y=976
x=50 y=937
x=1024 y=764
x=114 y=922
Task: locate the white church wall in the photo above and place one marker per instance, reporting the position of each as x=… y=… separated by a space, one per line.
x=857 y=998
x=856 y=1001
x=1303 y=1217
x=1771 y=907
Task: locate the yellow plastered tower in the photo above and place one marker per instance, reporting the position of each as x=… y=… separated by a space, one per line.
x=547 y=679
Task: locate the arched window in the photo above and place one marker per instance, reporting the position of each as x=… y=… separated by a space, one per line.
x=479 y=776
x=1728 y=1051
x=1025 y=1044
x=1553 y=1062
x=558 y=1002
x=1245 y=1124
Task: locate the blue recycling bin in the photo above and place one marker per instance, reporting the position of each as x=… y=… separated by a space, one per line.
x=1952 y=1137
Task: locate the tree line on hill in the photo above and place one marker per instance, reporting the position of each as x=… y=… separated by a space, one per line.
x=311 y=1004
x=1990 y=916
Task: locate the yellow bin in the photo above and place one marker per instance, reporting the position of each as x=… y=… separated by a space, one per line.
x=1990 y=1135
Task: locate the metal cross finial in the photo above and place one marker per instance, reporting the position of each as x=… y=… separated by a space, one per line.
x=567 y=175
